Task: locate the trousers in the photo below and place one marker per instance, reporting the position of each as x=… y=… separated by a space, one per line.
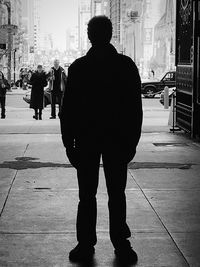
x=115 y=169
x=2 y=104
x=56 y=98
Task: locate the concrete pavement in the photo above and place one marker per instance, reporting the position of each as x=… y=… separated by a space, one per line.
x=39 y=196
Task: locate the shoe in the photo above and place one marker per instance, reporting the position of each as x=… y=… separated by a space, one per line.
x=52 y=117
x=81 y=253
x=40 y=117
x=126 y=255
x=3 y=116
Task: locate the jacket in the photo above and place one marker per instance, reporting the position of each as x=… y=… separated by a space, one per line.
x=63 y=79
x=38 y=82
x=4 y=85
x=103 y=93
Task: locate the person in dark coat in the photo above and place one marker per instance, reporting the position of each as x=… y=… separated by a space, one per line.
x=57 y=78
x=38 y=81
x=4 y=85
x=101 y=116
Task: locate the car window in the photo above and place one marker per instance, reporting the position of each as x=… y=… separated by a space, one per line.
x=170 y=76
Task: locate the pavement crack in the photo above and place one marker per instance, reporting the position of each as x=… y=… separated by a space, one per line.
x=7 y=196
x=9 y=190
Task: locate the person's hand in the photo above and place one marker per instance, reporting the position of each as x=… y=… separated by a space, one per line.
x=73 y=156
x=130 y=154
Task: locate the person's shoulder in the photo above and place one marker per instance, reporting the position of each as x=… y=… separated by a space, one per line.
x=127 y=63
x=34 y=74
x=62 y=69
x=78 y=62
x=126 y=59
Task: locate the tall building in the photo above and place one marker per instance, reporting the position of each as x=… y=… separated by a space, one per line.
x=137 y=32
x=105 y=8
x=28 y=32
x=152 y=12
x=3 y=37
x=8 y=59
x=34 y=40
x=115 y=17
x=84 y=15
x=131 y=29
x=99 y=7
x=96 y=8
x=37 y=25
x=164 y=39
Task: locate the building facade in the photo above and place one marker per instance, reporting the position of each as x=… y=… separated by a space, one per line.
x=136 y=30
x=115 y=17
x=96 y=8
x=131 y=31
x=187 y=67
x=9 y=57
x=164 y=40
x=84 y=15
x=3 y=37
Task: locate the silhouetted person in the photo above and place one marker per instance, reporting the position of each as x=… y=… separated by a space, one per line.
x=4 y=85
x=38 y=81
x=101 y=116
x=57 y=79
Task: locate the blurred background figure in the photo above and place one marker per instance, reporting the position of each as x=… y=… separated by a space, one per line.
x=57 y=78
x=4 y=86
x=38 y=81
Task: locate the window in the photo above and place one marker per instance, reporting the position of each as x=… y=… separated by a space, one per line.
x=169 y=76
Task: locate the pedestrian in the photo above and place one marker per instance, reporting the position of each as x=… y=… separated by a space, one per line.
x=38 y=81
x=152 y=73
x=101 y=116
x=57 y=78
x=4 y=85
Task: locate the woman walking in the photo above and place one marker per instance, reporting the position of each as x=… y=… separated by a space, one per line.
x=38 y=81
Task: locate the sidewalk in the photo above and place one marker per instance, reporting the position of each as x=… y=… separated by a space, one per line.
x=39 y=196
x=16 y=91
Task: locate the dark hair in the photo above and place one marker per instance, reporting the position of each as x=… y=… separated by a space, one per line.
x=100 y=30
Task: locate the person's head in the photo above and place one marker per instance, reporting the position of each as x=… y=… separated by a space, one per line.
x=39 y=68
x=56 y=63
x=99 y=30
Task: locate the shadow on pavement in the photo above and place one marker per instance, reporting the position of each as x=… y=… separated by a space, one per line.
x=22 y=163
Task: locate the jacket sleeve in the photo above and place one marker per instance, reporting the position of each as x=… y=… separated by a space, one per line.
x=67 y=112
x=45 y=80
x=135 y=104
x=7 y=86
x=32 y=79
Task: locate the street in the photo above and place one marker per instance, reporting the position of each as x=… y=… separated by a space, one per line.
x=16 y=100
x=154 y=113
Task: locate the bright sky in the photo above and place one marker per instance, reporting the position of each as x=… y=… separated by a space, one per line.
x=57 y=17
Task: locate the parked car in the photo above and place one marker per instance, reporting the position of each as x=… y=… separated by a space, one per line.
x=152 y=87
x=172 y=91
x=47 y=97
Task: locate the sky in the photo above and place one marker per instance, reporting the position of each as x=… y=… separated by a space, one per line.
x=57 y=17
